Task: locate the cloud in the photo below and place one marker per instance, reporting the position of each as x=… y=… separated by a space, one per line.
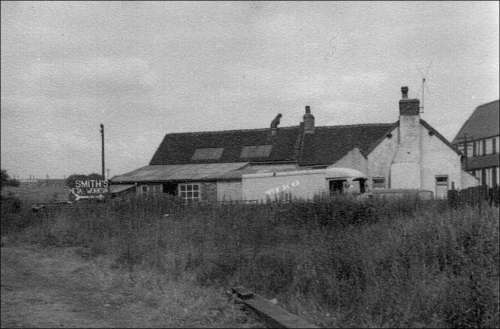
x=101 y=76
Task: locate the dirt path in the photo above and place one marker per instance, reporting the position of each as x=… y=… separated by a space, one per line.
x=56 y=288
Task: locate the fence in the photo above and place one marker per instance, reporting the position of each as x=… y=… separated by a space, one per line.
x=475 y=196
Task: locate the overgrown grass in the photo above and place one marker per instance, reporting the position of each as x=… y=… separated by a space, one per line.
x=337 y=262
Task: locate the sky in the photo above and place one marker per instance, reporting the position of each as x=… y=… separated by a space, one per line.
x=145 y=69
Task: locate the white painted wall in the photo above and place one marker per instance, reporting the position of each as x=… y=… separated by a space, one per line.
x=406 y=167
x=380 y=159
x=436 y=158
x=229 y=191
x=439 y=159
x=300 y=186
x=353 y=159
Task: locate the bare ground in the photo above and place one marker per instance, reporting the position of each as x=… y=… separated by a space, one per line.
x=57 y=288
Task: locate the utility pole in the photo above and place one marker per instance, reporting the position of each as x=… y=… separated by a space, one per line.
x=102 y=152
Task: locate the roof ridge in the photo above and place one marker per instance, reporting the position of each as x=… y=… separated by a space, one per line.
x=287 y=127
x=359 y=125
x=227 y=131
x=497 y=100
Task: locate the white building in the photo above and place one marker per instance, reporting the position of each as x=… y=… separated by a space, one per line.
x=408 y=154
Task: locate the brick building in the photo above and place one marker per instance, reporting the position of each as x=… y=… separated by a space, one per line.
x=408 y=154
x=479 y=141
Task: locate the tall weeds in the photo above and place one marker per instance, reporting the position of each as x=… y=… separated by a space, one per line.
x=337 y=262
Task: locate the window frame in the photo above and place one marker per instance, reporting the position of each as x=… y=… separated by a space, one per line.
x=378 y=185
x=187 y=191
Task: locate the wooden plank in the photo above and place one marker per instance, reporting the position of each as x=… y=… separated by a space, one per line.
x=274 y=314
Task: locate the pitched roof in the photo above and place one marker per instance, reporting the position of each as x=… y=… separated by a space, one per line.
x=179 y=148
x=159 y=173
x=324 y=147
x=481 y=124
x=329 y=144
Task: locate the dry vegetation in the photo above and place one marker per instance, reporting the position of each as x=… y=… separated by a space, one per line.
x=337 y=262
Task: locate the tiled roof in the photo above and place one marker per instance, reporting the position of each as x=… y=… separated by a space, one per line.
x=481 y=124
x=329 y=144
x=160 y=173
x=324 y=147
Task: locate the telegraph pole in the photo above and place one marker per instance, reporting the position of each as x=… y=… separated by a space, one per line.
x=102 y=152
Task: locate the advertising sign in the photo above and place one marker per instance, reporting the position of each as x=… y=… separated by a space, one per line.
x=90 y=189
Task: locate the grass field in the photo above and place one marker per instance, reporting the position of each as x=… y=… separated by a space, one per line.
x=337 y=262
x=38 y=192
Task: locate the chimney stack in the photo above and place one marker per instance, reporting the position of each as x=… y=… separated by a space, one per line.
x=275 y=123
x=407 y=163
x=408 y=106
x=308 y=121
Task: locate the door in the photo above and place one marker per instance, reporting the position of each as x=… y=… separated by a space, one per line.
x=441 y=187
x=170 y=188
x=336 y=186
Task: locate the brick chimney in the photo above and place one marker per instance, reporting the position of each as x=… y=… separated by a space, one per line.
x=274 y=124
x=408 y=106
x=308 y=121
x=406 y=166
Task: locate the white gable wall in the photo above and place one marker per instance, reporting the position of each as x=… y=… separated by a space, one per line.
x=380 y=159
x=439 y=159
x=353 y=159
x=436 y=158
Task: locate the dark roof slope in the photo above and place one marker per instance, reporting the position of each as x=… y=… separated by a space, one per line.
x=481 y=124
x=325 y=146
x=178 y=148
x=329 y=144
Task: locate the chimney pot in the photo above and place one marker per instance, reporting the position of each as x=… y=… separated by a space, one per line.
x=404 y=91
x=308 y=109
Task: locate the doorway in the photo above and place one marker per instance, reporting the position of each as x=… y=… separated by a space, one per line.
x=442 y=187
x=336 y=186
x=170 y=188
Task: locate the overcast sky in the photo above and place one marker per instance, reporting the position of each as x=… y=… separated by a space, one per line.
x=145 y=69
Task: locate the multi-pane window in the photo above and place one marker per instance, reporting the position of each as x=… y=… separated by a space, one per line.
x=378 y=182
x=189 y=191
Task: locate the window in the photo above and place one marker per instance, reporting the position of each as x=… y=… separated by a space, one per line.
x=461 y=148
x=210 y=153
x=189 y=191
x=258 y=151
x=144 y=188
x=442 y=180
x=478 y=148
x=489 y=146
x=497 y=143
x=378 y=182
x=470 y=149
